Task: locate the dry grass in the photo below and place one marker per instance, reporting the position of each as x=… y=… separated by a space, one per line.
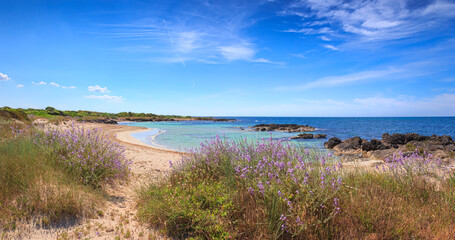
x=377 y=206
x=32 y=185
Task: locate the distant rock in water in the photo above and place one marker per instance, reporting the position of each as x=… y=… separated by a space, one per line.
x=440 y=146
x=303 y=136
x=309 y=136
x=320 y=136
x=283 y=128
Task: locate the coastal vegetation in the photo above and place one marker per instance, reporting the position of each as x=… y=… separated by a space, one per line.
x=273 y=190
x=55 y=115
x=50 y=174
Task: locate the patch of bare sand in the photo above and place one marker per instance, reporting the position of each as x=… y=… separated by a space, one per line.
x=117 y=220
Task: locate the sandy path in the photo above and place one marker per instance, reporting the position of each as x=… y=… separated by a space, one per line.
x=117 y=219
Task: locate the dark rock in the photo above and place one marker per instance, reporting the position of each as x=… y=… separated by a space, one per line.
x=376 y=142
x=383 y=147
x=332 y=142
x=223 y=120
x=443 y=140
x=283 y=127
x=350 y=144
x=303 y=136
x=440 y=146
x=367 y=146
x=414 y=137
x=373 y=145
x=393 y=139
x=400 y=139
x=320 y=136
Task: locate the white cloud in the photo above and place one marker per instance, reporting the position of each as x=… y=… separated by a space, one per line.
x=332 y=81
x=39 y=83
x=54 y=84
x=378 y=106
x=20 y=86
x=107 y=98
x=237 y=52
x=98 y=88
x=187 y=41
x=372 y=19
x=329 y=46
x=4 y=77
x=324 y=38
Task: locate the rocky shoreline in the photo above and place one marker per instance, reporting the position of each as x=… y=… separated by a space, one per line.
x=355 y=148
x=283 y=128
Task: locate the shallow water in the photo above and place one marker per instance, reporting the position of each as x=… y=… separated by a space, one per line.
x=189 y=134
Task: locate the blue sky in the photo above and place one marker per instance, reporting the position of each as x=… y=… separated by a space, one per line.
x=230 y=58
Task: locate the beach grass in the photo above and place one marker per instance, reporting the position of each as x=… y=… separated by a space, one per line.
x=272 y=190
x=54 y=175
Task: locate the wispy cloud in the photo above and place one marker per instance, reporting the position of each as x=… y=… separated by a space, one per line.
x=107 y=98
x=298 y=55
x=54 y=84
x=324 y=38
x=371 y=20
x=20 y=85
x=329 y=46
x=333 y=81
x=449 y=79
x=377 y=106
x=98 y=88
x=237 y=52
x=39 y=83
x=202 y=33
x=4 y=77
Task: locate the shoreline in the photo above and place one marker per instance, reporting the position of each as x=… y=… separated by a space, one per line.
x=122 y=134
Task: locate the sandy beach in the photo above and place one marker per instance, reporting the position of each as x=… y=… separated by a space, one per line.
x=119 y=214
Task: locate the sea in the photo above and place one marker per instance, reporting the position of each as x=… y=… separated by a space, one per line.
x=185 y=135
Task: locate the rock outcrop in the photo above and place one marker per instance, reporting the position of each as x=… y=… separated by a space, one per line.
x=332 y=142
x=320 y=136
x=303 y=136
x=440 y=146
x=283 y=128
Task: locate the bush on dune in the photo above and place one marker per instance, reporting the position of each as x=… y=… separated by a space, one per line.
x=87 y=154
x=229 y=189
x=271 y=190
x=53 y=174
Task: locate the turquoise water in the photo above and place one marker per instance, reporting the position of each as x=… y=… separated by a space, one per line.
x=189 y=134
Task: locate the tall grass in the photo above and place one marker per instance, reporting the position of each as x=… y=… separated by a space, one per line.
x=36 y=178
x=272 y=190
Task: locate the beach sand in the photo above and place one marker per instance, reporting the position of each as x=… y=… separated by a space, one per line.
x=119 y=214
